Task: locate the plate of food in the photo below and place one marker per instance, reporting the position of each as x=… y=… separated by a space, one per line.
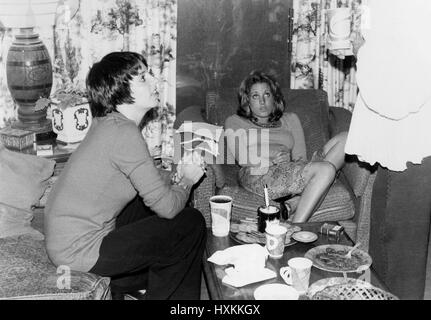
x=245 y=232
x=346 y=289
x=332 y=258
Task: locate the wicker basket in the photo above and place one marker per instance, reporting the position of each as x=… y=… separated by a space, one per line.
x=346 y=289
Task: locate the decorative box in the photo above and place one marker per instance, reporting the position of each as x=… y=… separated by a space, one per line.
x=71 y=123
x=16 y=139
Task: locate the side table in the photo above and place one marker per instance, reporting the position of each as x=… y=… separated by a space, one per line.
x=60 y=154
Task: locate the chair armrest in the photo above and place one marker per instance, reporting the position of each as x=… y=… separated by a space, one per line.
x=357 y=174
x=203 y=192
x=363 y=217
x=339 y=120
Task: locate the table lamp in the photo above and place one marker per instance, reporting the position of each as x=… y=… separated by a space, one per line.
x=28 y=64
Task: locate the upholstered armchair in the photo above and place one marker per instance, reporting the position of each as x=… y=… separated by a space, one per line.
x=348 y=200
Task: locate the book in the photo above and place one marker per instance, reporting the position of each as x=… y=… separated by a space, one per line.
x=44 y=150
x=16 y=139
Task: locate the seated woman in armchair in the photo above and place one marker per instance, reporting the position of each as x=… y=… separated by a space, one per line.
x=263 y=129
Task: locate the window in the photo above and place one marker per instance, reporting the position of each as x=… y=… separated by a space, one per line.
x=226 y=39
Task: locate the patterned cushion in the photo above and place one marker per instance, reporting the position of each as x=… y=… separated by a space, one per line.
x=338 y=204
x=24 y=178
x=27 y=273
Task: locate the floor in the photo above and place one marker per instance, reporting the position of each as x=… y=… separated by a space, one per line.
x=204 y=291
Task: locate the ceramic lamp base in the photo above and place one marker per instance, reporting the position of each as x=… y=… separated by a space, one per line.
x=39 y=127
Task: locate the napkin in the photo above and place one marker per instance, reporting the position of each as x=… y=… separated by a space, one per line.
x=242 y=278
x=248 y=264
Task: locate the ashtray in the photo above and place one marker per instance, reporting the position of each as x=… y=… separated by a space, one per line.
x=305 y=236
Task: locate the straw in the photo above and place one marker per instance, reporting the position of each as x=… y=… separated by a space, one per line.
x=266 y=196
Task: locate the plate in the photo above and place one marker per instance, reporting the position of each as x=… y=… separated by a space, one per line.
x=246 y=233
x=276 y=291
x=256 y=237
x=331 y=258
x=346 y=289
x=305 y=236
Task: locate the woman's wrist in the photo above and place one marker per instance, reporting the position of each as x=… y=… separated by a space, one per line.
x=183 y=182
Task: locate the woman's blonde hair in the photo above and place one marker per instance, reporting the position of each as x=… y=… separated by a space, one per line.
x=254 y=77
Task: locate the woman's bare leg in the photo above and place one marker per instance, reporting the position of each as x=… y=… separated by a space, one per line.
x=320 y=176
x=334 y=150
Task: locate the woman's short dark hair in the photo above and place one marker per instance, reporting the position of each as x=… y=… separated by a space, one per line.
x=108 y=81
x=254 y=77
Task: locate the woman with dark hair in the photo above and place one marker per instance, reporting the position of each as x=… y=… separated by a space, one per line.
x=262 y=128
x=111 y=212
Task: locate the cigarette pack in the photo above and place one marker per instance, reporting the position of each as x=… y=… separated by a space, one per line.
x=330 y=229
x=16 y=139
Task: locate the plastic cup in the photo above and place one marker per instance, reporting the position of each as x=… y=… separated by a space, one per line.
x=275 y=239
x=221 y=210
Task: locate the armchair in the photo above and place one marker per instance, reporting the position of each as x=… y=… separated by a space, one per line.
x=348 y=200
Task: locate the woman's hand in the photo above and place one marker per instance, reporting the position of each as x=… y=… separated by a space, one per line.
x=191 y=167
x=282 y=156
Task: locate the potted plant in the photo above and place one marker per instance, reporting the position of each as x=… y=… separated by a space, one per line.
x=70 y=114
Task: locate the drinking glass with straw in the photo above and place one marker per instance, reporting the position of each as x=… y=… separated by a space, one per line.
x=267 y=214
x=265 y=189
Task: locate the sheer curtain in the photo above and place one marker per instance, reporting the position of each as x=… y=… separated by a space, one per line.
x=87 y=30
x=312 y=66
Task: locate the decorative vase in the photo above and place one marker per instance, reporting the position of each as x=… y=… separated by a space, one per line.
x=29 y=77
x=71 y=124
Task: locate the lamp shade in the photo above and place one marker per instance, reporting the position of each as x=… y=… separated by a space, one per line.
x=27 y=13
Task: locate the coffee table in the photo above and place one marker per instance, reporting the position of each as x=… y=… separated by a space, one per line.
x=214 y=274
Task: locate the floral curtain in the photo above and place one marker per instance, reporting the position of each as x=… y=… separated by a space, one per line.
x=87 y=30
x=312 y=66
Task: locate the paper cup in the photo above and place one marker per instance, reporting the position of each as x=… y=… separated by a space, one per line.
x=221 y=210
x=275 y=239
x=297 y=274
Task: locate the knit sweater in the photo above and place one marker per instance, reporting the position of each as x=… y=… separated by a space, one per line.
x=248 y=142
x=108 y=169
